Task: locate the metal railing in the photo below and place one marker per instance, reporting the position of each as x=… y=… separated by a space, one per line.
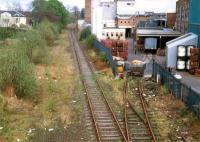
x=180 y=90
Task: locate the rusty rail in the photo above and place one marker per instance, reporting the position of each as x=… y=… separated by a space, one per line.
x=103 y=95
x=88 y=98
x=140 y=89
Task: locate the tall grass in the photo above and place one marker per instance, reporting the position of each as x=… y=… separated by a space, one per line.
x=17 y=61
x=17 y=72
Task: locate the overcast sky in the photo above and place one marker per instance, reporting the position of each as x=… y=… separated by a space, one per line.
x=147 y=5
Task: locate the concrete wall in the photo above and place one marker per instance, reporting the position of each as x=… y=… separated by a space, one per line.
x=125 y=7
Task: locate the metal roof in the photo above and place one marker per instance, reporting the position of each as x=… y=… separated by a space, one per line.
x=157 y=32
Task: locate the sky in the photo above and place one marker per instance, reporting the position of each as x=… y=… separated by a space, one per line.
x=144 y=5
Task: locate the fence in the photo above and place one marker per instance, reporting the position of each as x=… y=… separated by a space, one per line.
x=190 y=97
x=101 y=48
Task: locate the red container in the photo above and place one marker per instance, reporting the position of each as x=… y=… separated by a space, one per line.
x=194 y=51
x=197 y=72
x=194 y=58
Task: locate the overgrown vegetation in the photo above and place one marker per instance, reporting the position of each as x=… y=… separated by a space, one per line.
x=17 y=59
x=7 y=32
x=85 y=33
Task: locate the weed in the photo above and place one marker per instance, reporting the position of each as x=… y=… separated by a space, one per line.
x=103 y=56
x=164 y=90
x=90 y=41
x=51 y=105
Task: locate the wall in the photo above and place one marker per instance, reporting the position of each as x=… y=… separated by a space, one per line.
x=88 y=11
x=125 y=7
x=5 y=19
x=171 y=19
x=194 y=18
x=113 y=33
x=182 y=14
x=131 y=22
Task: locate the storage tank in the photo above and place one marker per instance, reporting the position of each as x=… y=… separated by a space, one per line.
x=171 y=47
x=182 y=52
x=181 y=64
x=189 y=49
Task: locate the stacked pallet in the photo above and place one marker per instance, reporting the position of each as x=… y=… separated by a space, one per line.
x=194 y=60
x=119 y=48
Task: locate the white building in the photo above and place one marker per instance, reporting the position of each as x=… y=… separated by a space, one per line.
x=104 y=17
x=10 y=18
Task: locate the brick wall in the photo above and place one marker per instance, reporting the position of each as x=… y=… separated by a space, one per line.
x=182 y=15
x=171 y=19
x=131 y=22
x=88 y=11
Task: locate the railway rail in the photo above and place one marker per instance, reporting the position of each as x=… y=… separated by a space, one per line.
x=104 y=120
x=138 y=128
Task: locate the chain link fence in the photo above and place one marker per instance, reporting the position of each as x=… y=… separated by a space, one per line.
x=180 y=90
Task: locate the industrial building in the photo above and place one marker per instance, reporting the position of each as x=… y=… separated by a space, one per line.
x=194 y=18
x=182 y=12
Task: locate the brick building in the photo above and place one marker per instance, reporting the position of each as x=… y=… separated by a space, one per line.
x=88 y=11
x=130 y=22
x=182 y=14
x=171 y=20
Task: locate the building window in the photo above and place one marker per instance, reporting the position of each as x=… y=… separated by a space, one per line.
x=111 y=34
x=121 y=34
x=107 y=34
x=104 y=25
x=117 y=34
x=124 y=21
x=121 y=21
x=17 y=20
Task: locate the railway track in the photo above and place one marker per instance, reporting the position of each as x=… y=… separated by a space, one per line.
x=138 y=127
x=105 y=123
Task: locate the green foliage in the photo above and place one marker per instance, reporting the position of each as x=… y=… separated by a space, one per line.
x=85 y=33
x=46 y=30
x=17 y=71
x=164 y=90
x=54 y=7
x=31 y=41
x=7 y=32
x=103 y=56
x=90 y=41
x=82 y=13
x=51 y=105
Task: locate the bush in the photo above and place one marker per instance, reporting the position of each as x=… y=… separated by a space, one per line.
x=33 y=44
x=17 y=72
x=90 y=41
x=85 y=33
x=7 y=32
x=103 y=56
x=46 y=30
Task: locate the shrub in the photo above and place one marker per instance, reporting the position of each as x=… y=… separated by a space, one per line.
x=90 y=41
x=103 y=56
x=17 y=71
x=30 y=40
x=51 y=105
x=46 y=30
x=85 y=33
x=7 y=32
